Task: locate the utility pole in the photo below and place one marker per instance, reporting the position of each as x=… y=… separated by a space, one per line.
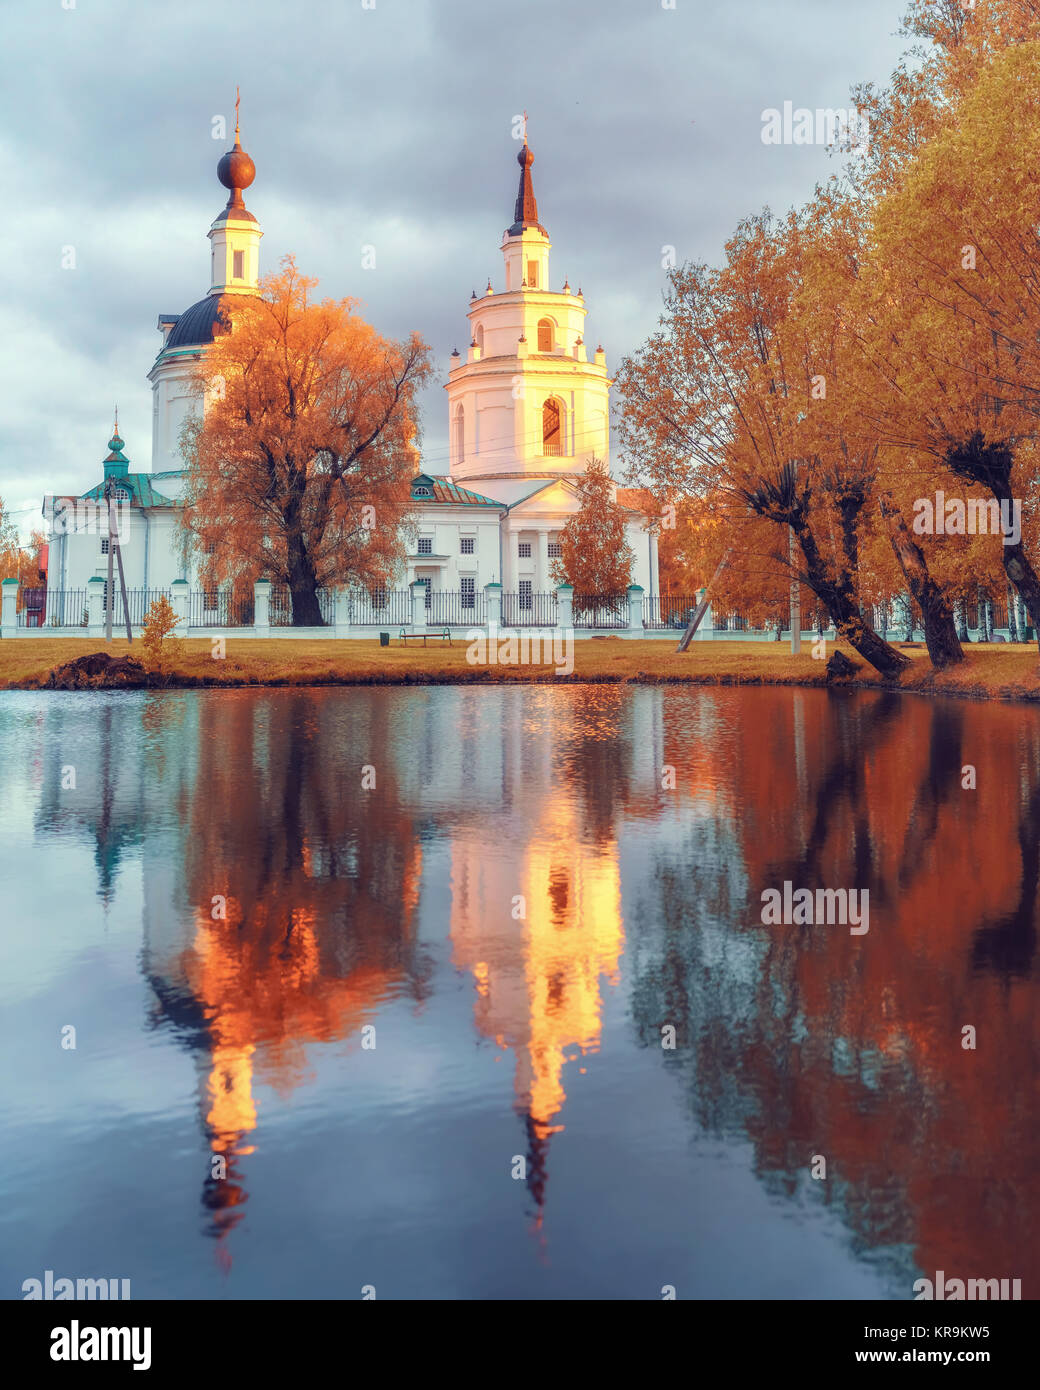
x=110 y=586
x=702 y=607
x=113 y=544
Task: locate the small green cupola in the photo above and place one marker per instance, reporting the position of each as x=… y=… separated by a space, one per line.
x=117 y=465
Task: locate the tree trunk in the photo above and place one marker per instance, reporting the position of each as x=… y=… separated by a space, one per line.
x=990 y=465
x=303 y=584
x=840 y=597
x=940 y=634
x=1012 y=615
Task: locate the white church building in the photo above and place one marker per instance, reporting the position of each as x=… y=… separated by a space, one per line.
x=528 y=406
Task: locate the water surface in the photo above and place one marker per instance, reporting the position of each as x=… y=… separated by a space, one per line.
x=516 y=894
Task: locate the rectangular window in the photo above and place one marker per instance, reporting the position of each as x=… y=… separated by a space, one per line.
x=525 y=550
x=209 y=599
x=532 y=275
x=555 y=550
x=429 y=591
x=425 y=545
x=526 y=601
x=469 y=592
x=467 y=545
x=239 y=272
x=104 y=545
x=380 y=598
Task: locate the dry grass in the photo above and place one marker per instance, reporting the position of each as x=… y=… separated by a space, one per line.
x=1000 y=671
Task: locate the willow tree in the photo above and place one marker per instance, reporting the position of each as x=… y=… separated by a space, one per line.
x=299 y=468
x=736 y=397
x=954 y=330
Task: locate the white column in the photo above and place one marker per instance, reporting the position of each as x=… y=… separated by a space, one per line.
x=654 y=565
x=542 y=575
x=262 y=606
x=635 y=607
x=95 y=606
x=9 y=606
x=418 y=605
x=565 y=608
x=494 y=605
x=341 y=613
x=514 y=561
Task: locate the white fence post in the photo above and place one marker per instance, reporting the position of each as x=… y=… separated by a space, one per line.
x=262 y=606
x=96 y=606
x=179 y=601
x=494 y=604
x=9 y=607
x=565 y=606
x=418 y=605
x=341 y=613
x=635 y=607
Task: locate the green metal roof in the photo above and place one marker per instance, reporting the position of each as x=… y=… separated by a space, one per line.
x=141 y=488
x=443 y=490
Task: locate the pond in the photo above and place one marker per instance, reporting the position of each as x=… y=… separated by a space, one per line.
x=467 y=993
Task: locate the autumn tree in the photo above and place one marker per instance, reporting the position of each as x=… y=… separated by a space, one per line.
x=10 y=545
x=299 y=468
x=595 y=556
x=160 y=622
x=735 y=398
x=954 y=322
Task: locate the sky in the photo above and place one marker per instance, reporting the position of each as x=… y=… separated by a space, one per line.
x=374 y=123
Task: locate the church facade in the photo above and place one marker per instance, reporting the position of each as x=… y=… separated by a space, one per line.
x=528 y=406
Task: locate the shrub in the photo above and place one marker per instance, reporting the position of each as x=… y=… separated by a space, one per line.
x=159 y=647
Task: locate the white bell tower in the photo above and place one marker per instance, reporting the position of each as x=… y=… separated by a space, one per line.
x=527 y=401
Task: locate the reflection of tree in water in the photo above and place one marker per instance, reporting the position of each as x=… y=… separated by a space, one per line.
x=319 y=880
x=810 y=1041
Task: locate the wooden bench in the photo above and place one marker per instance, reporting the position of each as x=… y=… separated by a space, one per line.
x=442 y=632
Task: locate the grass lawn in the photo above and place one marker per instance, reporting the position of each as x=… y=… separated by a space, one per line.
x=999 y=671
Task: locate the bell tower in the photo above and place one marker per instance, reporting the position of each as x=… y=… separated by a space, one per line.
x=527 y=401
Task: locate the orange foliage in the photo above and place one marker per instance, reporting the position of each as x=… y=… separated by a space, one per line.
x=299 y=469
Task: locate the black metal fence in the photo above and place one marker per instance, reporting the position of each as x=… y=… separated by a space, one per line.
x=380 y=607
x=52 y=608
x=668 y=610
x=529 y=609
x=219 y=608
x=279 y=612
x=600 y=610
x=449 y=608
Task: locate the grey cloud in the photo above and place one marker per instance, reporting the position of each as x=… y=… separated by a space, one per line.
x=388 y=126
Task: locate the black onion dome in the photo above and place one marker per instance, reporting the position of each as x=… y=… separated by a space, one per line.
x=198 y=325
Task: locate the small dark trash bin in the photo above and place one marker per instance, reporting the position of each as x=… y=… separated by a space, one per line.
x=384 y=639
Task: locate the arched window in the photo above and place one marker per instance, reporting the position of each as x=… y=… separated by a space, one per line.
x=545 y=335
x=479 y=336
x=552 y=428
x=460 y=436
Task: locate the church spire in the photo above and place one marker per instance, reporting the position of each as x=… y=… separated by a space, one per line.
x=525 y=212
x=235 y=235
x=236 y=171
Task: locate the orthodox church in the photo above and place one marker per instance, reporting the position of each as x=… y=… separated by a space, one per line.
x=528 y=407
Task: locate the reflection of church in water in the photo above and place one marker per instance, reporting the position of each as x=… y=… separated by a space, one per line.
x=287 y=920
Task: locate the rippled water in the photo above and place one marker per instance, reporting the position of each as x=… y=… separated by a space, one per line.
x=409 y=961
